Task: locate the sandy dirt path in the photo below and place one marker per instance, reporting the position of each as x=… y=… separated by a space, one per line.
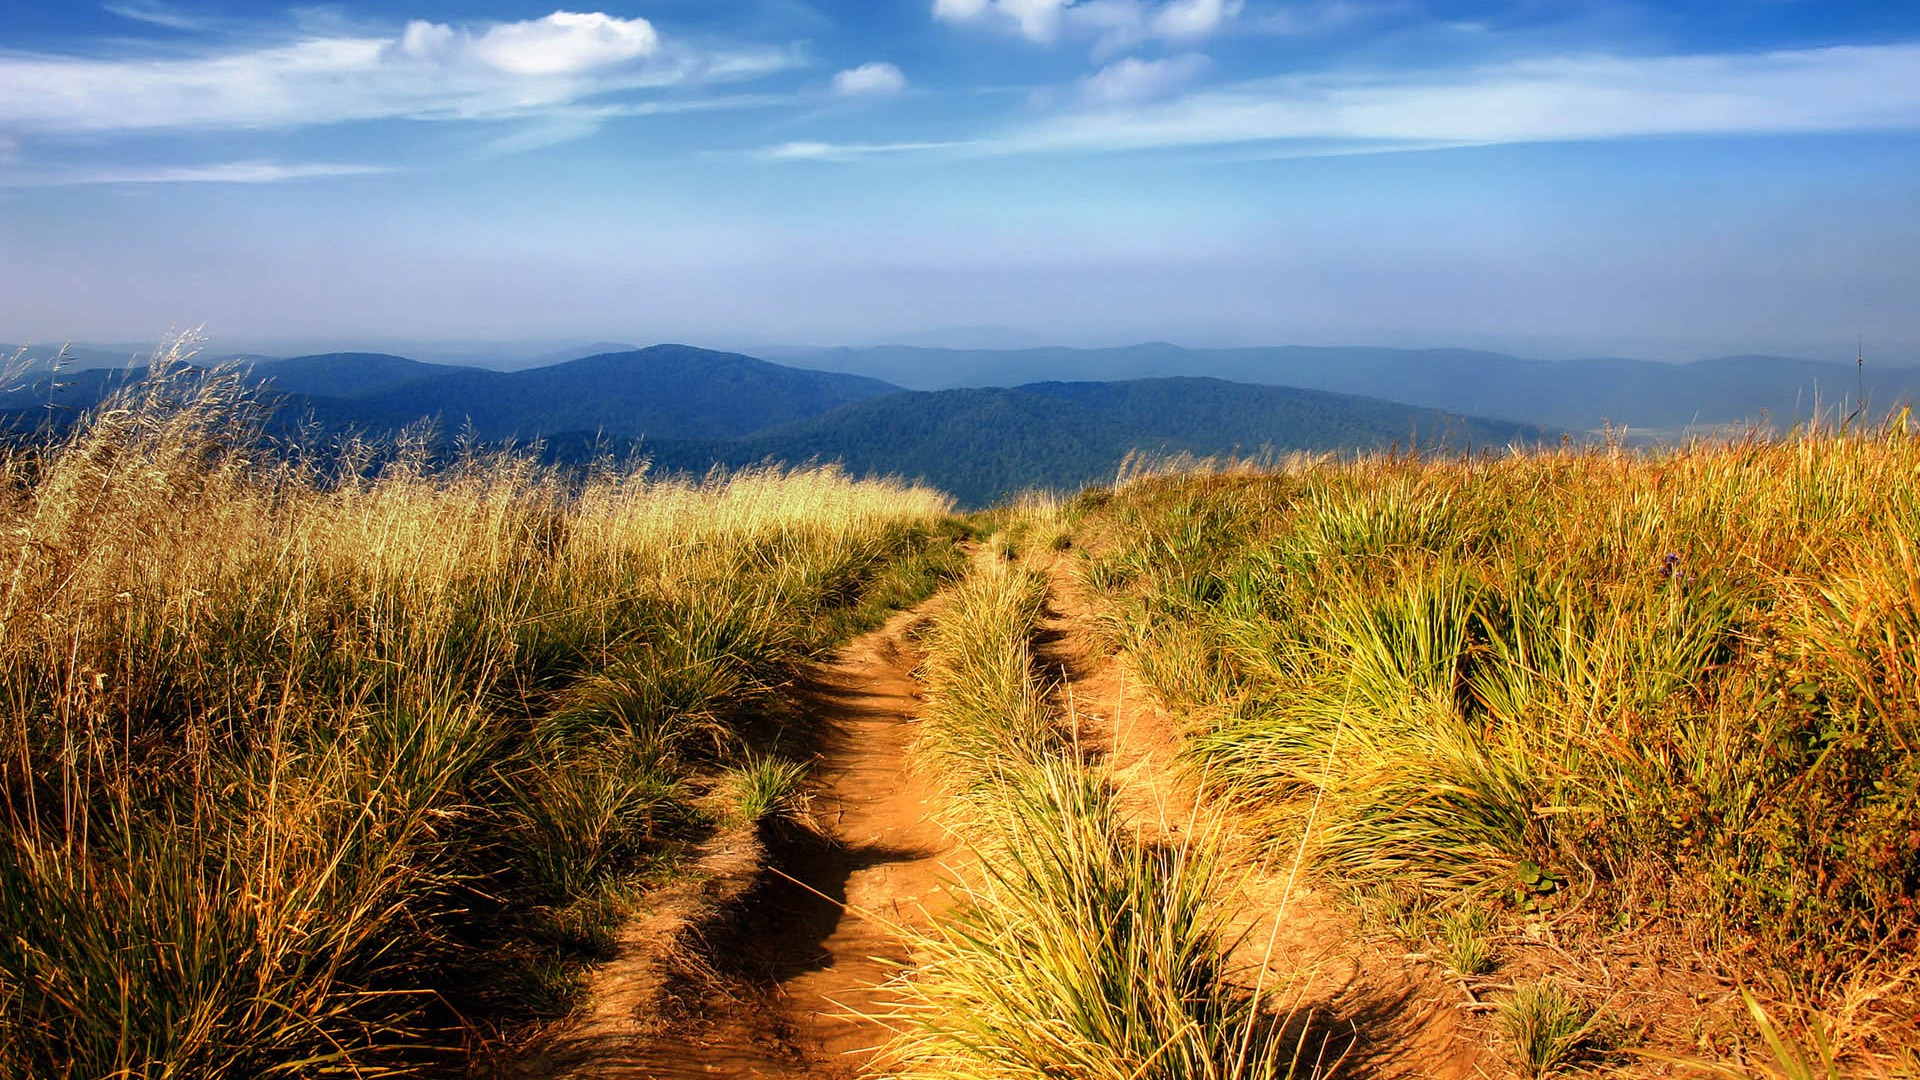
x=740 y=971
x=884 y=869
x=769 y=958
x=1400 y=1018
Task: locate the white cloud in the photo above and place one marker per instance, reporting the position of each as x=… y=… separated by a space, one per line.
x=872 y=79
x=428 y=71
x=1845 y=88
x=563 y=43
x=1191 y=20
x=1110 y=24
x=1849 y=88
x=1037 y=20
x=1133 y=79
x=958 y=10
x=153 y=13
x=230 y=172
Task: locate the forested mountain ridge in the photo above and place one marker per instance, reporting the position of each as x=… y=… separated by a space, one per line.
x=668 y=391
x=1579 y=395
x=983 y=444
x=691 y=409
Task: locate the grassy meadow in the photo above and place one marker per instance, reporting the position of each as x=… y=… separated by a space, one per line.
x=1083 y=943
x=347 y=760
x=1662 y=706
x=342 y=763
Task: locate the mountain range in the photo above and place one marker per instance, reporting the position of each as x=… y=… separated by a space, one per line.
x=1578 y=395
x=981 y=445
x=690 y=409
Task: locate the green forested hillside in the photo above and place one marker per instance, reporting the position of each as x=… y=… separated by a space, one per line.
x=981 y=445
x=691 y=409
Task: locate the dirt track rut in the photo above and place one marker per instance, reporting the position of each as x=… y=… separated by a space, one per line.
x=770 y=959
x=789 y=982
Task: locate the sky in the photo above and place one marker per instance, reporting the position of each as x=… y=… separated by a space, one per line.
x=1550 y=177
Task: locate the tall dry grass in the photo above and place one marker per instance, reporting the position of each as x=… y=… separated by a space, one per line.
x=1673 y=688
x=307 y=759
x=1081 y=944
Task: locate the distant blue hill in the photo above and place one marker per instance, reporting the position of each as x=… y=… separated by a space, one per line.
x=349 y=375
x=982 y=445
x=668 y=391
x=690 y=409
x=1579 y=395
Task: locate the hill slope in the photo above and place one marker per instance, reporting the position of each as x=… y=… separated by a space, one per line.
x=691 y=409
x=981 y=445
x=667 y=391
x=1575 y=394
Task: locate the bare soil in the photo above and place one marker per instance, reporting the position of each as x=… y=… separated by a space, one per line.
x=770 y=958
x=1390 y=1014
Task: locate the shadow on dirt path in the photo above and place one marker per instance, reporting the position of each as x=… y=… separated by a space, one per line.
x=769 y=959
x=1390 y=1015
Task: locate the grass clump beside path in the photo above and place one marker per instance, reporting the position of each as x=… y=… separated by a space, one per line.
x=1673 y=693
x=313 y=767
x=987 y=713
x=1079 y=946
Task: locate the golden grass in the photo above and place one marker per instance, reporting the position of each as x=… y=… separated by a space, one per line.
x=1081 y=945
x=301 y=755
x=1600 y=687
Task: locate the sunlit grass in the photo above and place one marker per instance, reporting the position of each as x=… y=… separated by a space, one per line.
x=1573 y=681
x=298 y=747
x=1081 y=945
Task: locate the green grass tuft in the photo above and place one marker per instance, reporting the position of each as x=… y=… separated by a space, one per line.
x=1545 y=1027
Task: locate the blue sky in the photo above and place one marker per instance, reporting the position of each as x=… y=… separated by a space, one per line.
x=1555 y=178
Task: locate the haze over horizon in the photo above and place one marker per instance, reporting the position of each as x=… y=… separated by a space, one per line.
x=1548 y=179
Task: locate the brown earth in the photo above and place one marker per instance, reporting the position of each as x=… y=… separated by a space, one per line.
x=1391 y=1014
x=770 y=958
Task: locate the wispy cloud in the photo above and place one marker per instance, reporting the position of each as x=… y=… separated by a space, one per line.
x=1322 y=16
x=1111 y=25
x=555 y=126
x=428 y=71
x=1835 y=89
x=824 y=151
x=230 y=172
x=153 y=13
x=1854 y=88
x=1133 y=79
